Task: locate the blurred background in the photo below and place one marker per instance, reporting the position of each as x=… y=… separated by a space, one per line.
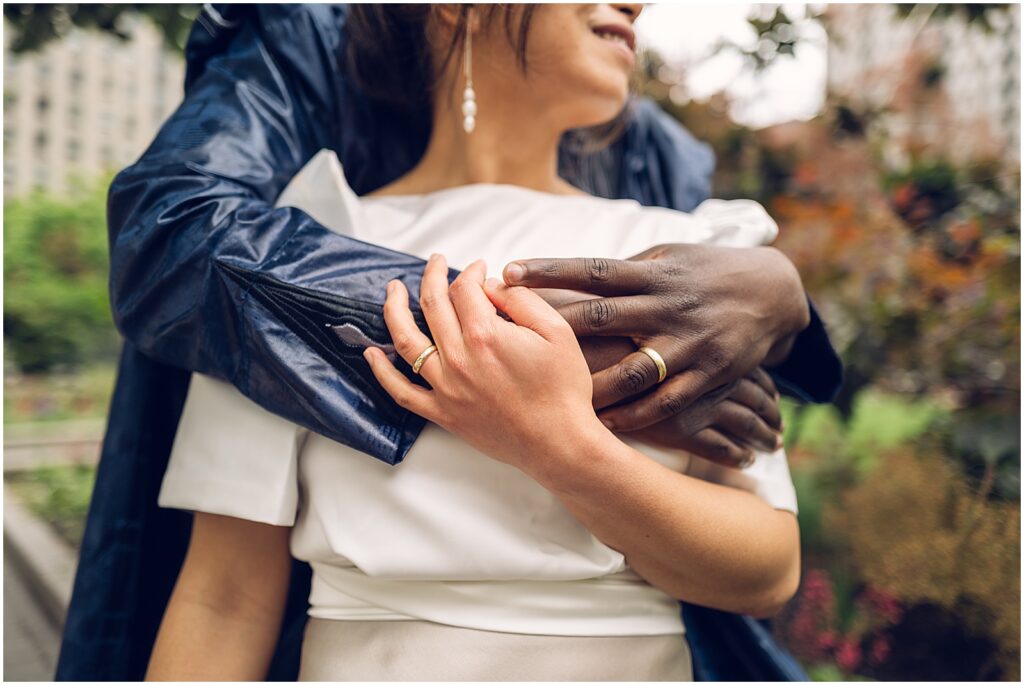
x=885 y=140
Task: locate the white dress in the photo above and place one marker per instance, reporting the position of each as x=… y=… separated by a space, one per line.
x=450 y=535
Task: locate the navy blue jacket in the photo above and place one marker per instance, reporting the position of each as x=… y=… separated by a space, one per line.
x=207 y=276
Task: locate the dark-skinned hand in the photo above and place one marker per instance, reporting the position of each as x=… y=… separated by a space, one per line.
x=713 y=313
x=726 y=426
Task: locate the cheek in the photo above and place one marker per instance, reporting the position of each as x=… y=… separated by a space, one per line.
x=580 y=78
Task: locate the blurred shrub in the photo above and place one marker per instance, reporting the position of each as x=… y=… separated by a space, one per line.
x=56 y=307
x=58 y=494
x=829 y=455
x=916 y=530
x=84 y=394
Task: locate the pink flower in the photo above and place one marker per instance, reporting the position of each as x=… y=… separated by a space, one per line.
x=848 y=656
x=880 y=650
x=827 y=640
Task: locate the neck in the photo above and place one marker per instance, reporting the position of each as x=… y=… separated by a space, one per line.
x=507 y=146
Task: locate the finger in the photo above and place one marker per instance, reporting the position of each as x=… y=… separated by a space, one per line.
x=527 y=308
x=746 y=427
x=672 y=396
x=635 y=373
x=714 y=446
x=408 y=396
x=754 y=396
x=409 y=340
x=764 y=379
x=622 y=316
x=474 y=309
x=594 y=275
x=437 y=306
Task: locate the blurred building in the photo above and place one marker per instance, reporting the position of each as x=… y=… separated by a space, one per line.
x=84 y=105
x=874 y=54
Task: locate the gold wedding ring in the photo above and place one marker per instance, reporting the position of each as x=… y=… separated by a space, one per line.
x=416 y=365
x=658 y=361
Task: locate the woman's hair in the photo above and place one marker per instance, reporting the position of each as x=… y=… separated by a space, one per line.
x=388 y=56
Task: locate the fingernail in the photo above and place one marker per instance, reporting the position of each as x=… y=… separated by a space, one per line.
x=433 y=257
x=391 y=286
x=514 y=272
x=491 y=284
x=367 y=355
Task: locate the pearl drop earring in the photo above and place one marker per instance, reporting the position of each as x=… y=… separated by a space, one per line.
x=468 y=95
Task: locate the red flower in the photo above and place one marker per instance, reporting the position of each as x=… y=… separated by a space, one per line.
x=848 y=656
x=880 y=650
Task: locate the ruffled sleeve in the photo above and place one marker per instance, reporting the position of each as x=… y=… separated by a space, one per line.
x=233 y=458
x=737 y=223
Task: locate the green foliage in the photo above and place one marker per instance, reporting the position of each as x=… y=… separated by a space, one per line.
x=880 y=422
x=844 y=452
x=977 y=13
x=35 y=24
x=830 y=673
x=56 y=307
x=59 y=495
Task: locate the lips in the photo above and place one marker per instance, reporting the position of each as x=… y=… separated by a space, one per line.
x=617 y=33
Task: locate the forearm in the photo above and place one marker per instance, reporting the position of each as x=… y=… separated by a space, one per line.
x=697 y=541
x=199 y=640
x=224 y=616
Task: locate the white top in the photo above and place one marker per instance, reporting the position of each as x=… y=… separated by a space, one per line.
x=450 y=535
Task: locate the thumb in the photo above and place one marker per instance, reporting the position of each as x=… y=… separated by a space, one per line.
x=526 y=308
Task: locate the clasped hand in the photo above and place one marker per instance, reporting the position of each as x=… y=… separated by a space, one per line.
x=518 y=390
x=712 y=409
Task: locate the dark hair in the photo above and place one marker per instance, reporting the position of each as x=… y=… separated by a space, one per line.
x=389 y=58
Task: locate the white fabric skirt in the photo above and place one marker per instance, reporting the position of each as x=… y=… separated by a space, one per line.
x=428 y=651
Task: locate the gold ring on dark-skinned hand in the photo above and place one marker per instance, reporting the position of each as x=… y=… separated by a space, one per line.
x=658 y=361
x=418 y=364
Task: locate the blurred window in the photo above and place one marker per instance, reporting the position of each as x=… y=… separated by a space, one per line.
x=43 y=104
x=41 y=141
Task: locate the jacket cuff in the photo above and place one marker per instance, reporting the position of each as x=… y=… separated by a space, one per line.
x=813 y=371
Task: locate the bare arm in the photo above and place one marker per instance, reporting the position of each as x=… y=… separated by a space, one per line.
x=225 y=612
x=697 y=541
x=521 y=393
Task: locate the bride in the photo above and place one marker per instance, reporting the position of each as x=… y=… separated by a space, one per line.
x=520 y=539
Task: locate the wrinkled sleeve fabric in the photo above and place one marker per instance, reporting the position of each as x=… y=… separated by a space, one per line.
x=207 y=275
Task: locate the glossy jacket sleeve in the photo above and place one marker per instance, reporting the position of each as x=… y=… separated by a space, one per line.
x=207 y=275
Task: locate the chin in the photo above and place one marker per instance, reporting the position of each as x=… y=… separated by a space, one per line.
x=601 y=111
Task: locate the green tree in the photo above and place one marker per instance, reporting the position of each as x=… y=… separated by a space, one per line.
x=34 y=25
x=56 y=306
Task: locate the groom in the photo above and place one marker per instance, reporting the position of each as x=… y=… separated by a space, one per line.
x=206 y=276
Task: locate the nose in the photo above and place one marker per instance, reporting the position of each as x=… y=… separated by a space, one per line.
x=632 y=10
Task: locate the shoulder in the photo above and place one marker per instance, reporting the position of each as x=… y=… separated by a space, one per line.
x=309 y=30
x=731 y=223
